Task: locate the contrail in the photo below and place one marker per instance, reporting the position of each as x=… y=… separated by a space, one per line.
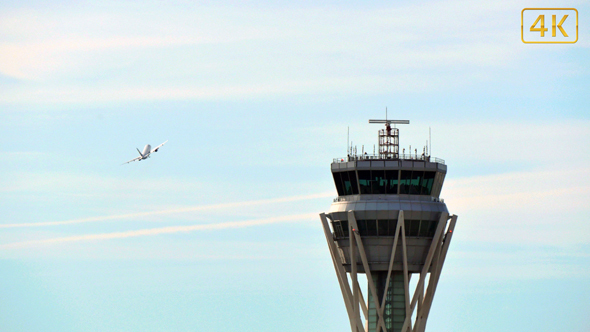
x=171 y=211
x=163 y=230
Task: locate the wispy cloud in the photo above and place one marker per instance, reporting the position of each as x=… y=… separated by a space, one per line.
x=170 y=211
x=546 y=207
x=500 y=141
x=568 y=188
x=163 y=230
x=248 y=52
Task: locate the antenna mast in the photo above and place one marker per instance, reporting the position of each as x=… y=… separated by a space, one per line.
x=430 y=142
x=348 y=141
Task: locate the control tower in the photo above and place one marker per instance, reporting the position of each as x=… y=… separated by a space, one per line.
x=389 y=223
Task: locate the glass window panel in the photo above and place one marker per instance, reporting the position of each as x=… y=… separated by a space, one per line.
x=407 y=224
x=338 y=183
x=353 y=182
x=362 y=227
x=365 y=181
x=432 y=228
x=337 y=229
x=379 y=183
x=427 y=182
x=424 y=228
x=372 y=227
x=414 y=227
x=344 y=227
x=392 y=180
x=347 y=186
x=383 y=227
x=415 y=182
x=334 y=224
x=392 y=225
x=404 y=182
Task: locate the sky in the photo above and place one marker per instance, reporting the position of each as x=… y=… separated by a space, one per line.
x=219 y=230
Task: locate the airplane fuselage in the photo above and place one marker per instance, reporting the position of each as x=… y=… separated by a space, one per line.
x=146 y=151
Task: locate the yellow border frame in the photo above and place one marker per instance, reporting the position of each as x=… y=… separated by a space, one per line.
x=541 y=42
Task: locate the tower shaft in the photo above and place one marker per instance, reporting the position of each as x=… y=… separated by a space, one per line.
x=394 y=308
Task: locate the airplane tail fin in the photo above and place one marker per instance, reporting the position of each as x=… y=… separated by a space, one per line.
x=139 y=152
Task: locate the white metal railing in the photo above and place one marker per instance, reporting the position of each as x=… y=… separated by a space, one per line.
x=400 y=157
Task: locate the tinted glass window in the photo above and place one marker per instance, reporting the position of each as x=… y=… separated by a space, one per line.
x=346 y=185
x=392 y=227
x=415 y=182
x=344 y=227
x=424 y=228
x=372 y=227
x=362 y=227
x=404 y=182
x=365 y=181
x=392 y=181
x=414 y=227
x=337 y=229
x=407 y=224
x=353 y=182
x=383 y=227
x=427 y=182
x=432 y=228
x=379 y=183
x=338 y=183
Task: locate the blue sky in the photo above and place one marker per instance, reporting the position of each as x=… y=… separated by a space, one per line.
x=219 y=229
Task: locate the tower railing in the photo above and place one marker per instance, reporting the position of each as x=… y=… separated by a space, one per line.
x=378 y=157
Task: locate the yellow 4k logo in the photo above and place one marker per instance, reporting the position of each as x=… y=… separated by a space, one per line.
x=542 y=29
x=535 y=22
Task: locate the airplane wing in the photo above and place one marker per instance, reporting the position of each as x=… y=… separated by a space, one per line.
x=157 y=147
x=134 y=159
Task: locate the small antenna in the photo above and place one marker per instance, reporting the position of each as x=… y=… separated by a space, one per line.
x=348 y=140
x=430 y=141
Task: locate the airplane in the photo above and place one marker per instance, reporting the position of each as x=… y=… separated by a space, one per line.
x=147 y=151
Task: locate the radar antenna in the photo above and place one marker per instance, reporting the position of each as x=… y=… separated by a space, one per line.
x=389 y=138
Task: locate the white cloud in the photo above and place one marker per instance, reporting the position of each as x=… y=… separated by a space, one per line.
x=539 y=144
x=162 y=230
x=135 y=215
x=223 y=52
x=51 y=183
x=548 y=207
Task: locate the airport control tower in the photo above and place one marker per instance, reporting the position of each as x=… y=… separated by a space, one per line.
x=389 y=223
